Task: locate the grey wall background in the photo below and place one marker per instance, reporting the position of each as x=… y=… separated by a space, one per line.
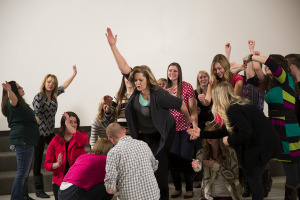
x=38 y=37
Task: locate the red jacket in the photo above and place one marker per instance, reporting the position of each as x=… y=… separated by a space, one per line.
x=56 y=146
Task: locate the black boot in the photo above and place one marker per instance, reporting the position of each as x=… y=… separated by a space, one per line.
x=39 y=187
x=290 y=192
x=298 y=191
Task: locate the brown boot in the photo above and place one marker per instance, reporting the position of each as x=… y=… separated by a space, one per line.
x=290 y=192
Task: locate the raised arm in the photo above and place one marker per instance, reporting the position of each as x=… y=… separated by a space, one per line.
x=13 y=100
x=69 y=81
x=238 y=87
x=236 y=68
x=121 y=62
x=227 y=50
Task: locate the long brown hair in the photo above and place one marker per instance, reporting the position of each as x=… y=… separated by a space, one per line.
x=223 y=61
x=222 y=150
x=120 y=95
x=147 y=73
x=179 y=81
x=101 y=113
x=4 y=102
x=55 y=90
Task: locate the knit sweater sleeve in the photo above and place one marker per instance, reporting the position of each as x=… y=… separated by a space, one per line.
x=279 y=73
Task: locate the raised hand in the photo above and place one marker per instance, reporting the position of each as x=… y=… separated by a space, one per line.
x=251 y=44
x=227 y=47
x=67 y=119
x=112 y=40
x=74 y=70
x=6 y=86
x=108 y=100
x=195 y=163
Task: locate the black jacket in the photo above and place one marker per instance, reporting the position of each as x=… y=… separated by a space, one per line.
x=254 y=138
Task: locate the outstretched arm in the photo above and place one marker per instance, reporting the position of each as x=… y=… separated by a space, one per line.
x=13 y=100
x=227 y=50
x=69 y=81
x=121 y=62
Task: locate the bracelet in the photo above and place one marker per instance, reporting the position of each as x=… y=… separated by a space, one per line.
x=250 y=57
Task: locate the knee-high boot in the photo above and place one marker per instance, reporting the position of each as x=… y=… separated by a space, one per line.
x=39 y=187
x=290 y=192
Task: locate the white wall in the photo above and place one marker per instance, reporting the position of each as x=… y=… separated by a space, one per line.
x=38 y=37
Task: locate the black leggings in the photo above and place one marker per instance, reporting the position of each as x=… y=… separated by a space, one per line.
x=39 y=151
x=161 y=173
x=253 y=175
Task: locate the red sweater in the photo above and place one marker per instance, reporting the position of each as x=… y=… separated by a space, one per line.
x=56 y=146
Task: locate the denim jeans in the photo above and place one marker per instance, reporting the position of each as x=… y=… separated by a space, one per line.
x=24 y=160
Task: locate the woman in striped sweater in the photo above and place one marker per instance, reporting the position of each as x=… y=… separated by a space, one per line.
x=280 y=97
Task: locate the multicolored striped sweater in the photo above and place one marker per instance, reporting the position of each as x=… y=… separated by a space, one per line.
x=281 y=103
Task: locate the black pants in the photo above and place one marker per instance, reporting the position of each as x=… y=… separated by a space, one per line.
x=161 y=173
x=180 y=165
x=292 y=172
x=253 y=175
x=39 y=151
x=55 y=190
x=97 y=192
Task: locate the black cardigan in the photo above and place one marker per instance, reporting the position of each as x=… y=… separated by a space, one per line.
x=254 y=138
x=160 y=103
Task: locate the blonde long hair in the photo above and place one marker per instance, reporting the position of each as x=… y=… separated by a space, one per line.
x=223 y=97
x=102 y=147
x=100 y=113
x=223 y=61
x=55 y=90
x=198 y=89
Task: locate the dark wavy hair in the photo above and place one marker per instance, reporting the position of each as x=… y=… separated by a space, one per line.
x=4 y=102
x=268 y=81
x=63 y=125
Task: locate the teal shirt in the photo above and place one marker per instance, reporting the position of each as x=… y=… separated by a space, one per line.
x=24 y=127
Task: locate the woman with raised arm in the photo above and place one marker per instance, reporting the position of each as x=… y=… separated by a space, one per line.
x=23 y=135
x=248 y=131
x=279 y=91
x=45 y=106
x=65 y=148
x=183 y=146
x=220 y=72
x=147 y=113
